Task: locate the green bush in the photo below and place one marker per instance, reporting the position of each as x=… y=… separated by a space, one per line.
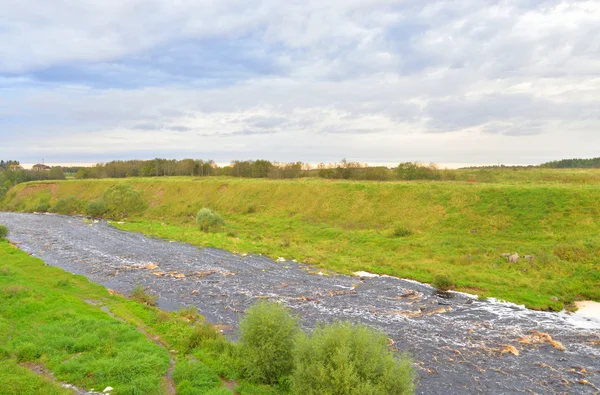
x=139 y=293
x=122 y=201
x=343 y=358
x=3 y=232
x=3 y=191
x=443 y=282
x=267 y=335
x=208 y=219
x=66 y=205
x=96 y=208
x=42 y=207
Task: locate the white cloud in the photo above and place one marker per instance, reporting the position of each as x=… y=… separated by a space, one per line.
x=450 y=81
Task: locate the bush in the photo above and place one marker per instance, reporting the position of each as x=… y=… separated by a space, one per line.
x=208 y=220
x=267 y=335
x=443 y=282
x=343 y=358
x=96 y=208
x=66 y=205
x=122 y=201
x=139 y=293
x=3 y=232
x=42 y=207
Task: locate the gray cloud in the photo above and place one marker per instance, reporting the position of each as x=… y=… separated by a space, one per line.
x=374 y=80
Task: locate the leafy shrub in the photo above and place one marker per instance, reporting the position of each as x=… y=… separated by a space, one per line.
x=3 y=232
x=122 y=201
x=3 y=191
x=343 y=358
x=443 y=282
x=66 y=205
x=208 y=219
x=267 y=335
x=42 y=207
x=139 y=293
x=96 y=208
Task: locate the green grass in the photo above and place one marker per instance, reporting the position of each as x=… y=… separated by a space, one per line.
x=55 y=321
x=416 y=230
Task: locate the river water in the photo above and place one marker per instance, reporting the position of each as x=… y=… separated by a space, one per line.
x=460 y=345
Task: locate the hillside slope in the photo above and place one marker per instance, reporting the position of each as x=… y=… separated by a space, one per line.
x=417 y=230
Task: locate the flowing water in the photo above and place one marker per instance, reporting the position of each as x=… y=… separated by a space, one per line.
x=460 y=345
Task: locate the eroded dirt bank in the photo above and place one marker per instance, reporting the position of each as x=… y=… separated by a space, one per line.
x=461 y=345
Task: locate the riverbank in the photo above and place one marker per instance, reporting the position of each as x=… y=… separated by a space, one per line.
x=461 y=345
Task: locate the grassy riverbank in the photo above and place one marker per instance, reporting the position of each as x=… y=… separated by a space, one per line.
x=56 y=327
x=416 y=230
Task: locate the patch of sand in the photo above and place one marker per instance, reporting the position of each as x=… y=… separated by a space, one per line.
x=588 y=309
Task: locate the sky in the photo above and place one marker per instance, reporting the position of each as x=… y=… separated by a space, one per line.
x=379 y=81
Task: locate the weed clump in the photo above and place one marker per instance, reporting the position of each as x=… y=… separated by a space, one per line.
x=208 y=220
x=96 y=208
x=3 y=232
x=401 y=231
x=267 y=335
x=139 y=293
x=343 y=358
x=443 y=282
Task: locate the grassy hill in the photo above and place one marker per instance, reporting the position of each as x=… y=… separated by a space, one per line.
x=416 y=230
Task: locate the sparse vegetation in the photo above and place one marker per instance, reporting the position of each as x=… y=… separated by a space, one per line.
x=343 y=358
x=208 y=220
x=3 y=232
x=139 y=293
x=443 y=282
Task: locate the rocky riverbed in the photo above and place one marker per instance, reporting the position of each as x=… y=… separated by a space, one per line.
x=461 y=345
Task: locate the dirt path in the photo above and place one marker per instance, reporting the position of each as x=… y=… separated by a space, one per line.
x=460 y=345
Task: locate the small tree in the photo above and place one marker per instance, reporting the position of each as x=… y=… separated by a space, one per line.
x=208 y=219
x=267 y=335
x=96 y=208
x=343 y=358
x=122 y=201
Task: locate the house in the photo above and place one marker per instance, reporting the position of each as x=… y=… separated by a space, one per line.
x=15 y=167
x=40 y=167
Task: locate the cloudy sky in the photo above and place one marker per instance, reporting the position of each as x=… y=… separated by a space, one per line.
x=381 y=81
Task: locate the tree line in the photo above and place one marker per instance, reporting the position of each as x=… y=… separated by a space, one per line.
x=264 y=169
x=593 y=163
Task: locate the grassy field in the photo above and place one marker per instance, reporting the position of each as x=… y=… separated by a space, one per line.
x=416 y=230
x=58 y=327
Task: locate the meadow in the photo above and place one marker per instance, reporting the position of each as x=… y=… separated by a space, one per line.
x=422 y=230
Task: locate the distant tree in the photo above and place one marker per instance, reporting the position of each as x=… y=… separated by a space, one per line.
x=56 y=173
